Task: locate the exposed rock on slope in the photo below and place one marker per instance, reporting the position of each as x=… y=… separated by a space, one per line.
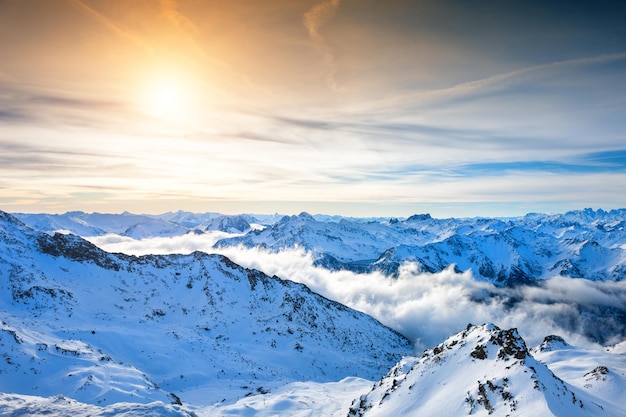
x=482 y=370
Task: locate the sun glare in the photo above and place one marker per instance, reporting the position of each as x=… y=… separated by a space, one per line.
x=167 y=98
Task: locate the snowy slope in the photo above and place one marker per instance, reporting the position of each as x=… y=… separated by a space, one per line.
x=297 y=399
x=600 y=372
x=481 y=371
x=60 y=406
x=231 y=224
x=195 y=220
x=103 y=328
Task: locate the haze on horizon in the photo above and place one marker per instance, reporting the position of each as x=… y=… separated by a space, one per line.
x=351 y=107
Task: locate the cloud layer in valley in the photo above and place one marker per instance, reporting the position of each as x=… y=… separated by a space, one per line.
x=429 y=307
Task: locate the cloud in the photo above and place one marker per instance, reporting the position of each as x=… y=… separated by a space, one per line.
x=314 y=20
x=74 y=102
x=8 y=115
x=184 y=244
x=30 y=105
x=426 y=307
x=170 y=10
x=115 y=28
x=596 y=162
x=489 y=84
x=609 y=159
x=27 y=156
x=429 y=307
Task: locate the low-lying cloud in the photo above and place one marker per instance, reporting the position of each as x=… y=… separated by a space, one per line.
x=184 y=244
x=427 y=308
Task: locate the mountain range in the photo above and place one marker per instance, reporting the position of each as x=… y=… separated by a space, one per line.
x=585 y=244
x=88 y=332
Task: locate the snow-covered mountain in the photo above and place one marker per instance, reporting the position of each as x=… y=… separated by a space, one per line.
x=584 y=244
x=86 y=332
x=232 y=224
x=196 y=220
x=482 y=371
x=136 y=226
x=105 y=328
x=96 y=224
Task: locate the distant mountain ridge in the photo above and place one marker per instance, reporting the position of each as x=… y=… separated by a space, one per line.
x=137 y=226
x=587 y=243
x=583 y=244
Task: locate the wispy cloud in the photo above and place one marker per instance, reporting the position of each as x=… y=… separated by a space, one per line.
x=117 y=29
x=596 y=162
x=171 y=11
x=609 y=159
x=10 y=115
x=24 y=156
x=314 y=19
x=491 y=83
x=33 y=106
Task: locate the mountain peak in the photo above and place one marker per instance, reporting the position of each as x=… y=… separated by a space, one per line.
x=419 y=217
x=489 y=342
x=8 y=218
x=305 y=215
x=551 y=343
x=481 y=370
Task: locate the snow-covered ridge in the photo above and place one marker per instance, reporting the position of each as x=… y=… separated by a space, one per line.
x=481 y=370
x=103 y=328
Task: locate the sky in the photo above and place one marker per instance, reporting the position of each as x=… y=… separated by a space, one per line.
x=353 y=107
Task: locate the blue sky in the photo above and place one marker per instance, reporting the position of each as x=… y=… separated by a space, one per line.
x=339 y=107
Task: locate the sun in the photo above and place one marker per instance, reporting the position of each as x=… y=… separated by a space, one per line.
x=167 y=98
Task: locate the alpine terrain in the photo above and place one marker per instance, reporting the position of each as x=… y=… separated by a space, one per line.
x=482 y=371
x=88 y=332
x=586 y=243
x=105 y=328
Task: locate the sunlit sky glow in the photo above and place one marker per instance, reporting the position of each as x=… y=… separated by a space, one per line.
x=355 y=107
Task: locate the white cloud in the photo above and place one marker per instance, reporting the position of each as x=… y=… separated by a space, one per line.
x=184 y=244
x=429 y=307
x=313 y=20
x=426 y=307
